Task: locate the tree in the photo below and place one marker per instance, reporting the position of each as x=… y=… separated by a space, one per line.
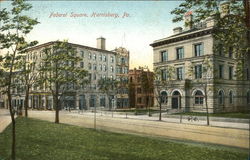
x=30 y=75
x=163 y=77
x=203 y=79
x=147 y=86
x=108 y=86
x=232 y=24
x=60 y=73
x=14 y=28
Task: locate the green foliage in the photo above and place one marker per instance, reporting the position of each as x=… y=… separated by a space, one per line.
x=107 y=85
x=229 y=30
x=14 y=28
x=59 y=68
x=41 y=140
x=159 y=83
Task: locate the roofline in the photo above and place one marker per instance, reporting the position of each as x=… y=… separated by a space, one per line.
x=181 y=37
x=77 y=45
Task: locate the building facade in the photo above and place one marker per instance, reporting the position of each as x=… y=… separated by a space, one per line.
x=140 y=95
x=122 y=68
x=186 y=51
x=99 y=62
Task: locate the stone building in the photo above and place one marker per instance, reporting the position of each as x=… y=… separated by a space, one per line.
x=99 y=62
x=186 y=50
x=139 y=95
x=122 y=68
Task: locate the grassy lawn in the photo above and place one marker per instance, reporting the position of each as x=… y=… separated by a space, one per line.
x=41 y=140
x=226 y=115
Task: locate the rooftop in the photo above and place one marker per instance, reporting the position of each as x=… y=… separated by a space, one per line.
x=73 y=44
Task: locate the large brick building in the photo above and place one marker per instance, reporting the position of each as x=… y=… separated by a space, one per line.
x=141 y=93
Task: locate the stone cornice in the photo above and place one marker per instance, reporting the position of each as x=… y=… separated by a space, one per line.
x=181 y=37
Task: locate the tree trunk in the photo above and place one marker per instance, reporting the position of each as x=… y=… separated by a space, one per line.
x=206 y=104
x=160 y=113
x=12 y=114
x=55 y=100
x=26 y=102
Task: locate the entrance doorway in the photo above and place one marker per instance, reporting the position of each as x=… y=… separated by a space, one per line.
x=176 y=100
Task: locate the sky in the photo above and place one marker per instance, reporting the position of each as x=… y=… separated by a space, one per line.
x=82 y=22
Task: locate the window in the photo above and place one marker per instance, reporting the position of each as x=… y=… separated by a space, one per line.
x=112 y=59
x=126 y=70
x=230 y=52
x=81 y=64
x=104 y=68
x=198 y=49
x=102 y=101
x=94 y=77
x=164 y=97
x=231 y=97
x=104 y=58
x=180 y=53
x=164 y=56
x=90 y=66
x=100 y=57
x=112 y=69
x=100 y=66
x=94 y=57
x=82 y=54
x=248 y=97
x=198 y=71
x=90 y=56
x=221 y=71
x=139 y=100
x=138 y=90
x=221 y=97
x=95 y=67
x=230 y=72
x=180 y=73
x=163 y=75
x=198 y=97
x=123 y=60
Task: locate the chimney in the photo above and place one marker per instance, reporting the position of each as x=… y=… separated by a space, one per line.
x=101 y=43
x=188 y=20
x=210 y=22
x=224 y=9
x=177 y=30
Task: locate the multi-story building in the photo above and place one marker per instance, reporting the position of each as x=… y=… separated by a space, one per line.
x=140 y=95
x=122 y=68
x=189 y=47
x=99 y=62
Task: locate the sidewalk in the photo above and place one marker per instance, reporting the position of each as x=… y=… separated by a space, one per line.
x=5 y=119
x=214 y=121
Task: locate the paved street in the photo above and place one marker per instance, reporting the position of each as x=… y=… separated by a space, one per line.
x=169 y=127
x=209 y=134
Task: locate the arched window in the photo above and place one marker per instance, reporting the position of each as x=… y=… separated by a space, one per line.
x=164 y=97
x=221 y=97
x=231 y=97
x=198 y=97
x=248 y=97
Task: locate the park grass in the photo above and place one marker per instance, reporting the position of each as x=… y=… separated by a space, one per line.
x=42 y=140
x=244 y=115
